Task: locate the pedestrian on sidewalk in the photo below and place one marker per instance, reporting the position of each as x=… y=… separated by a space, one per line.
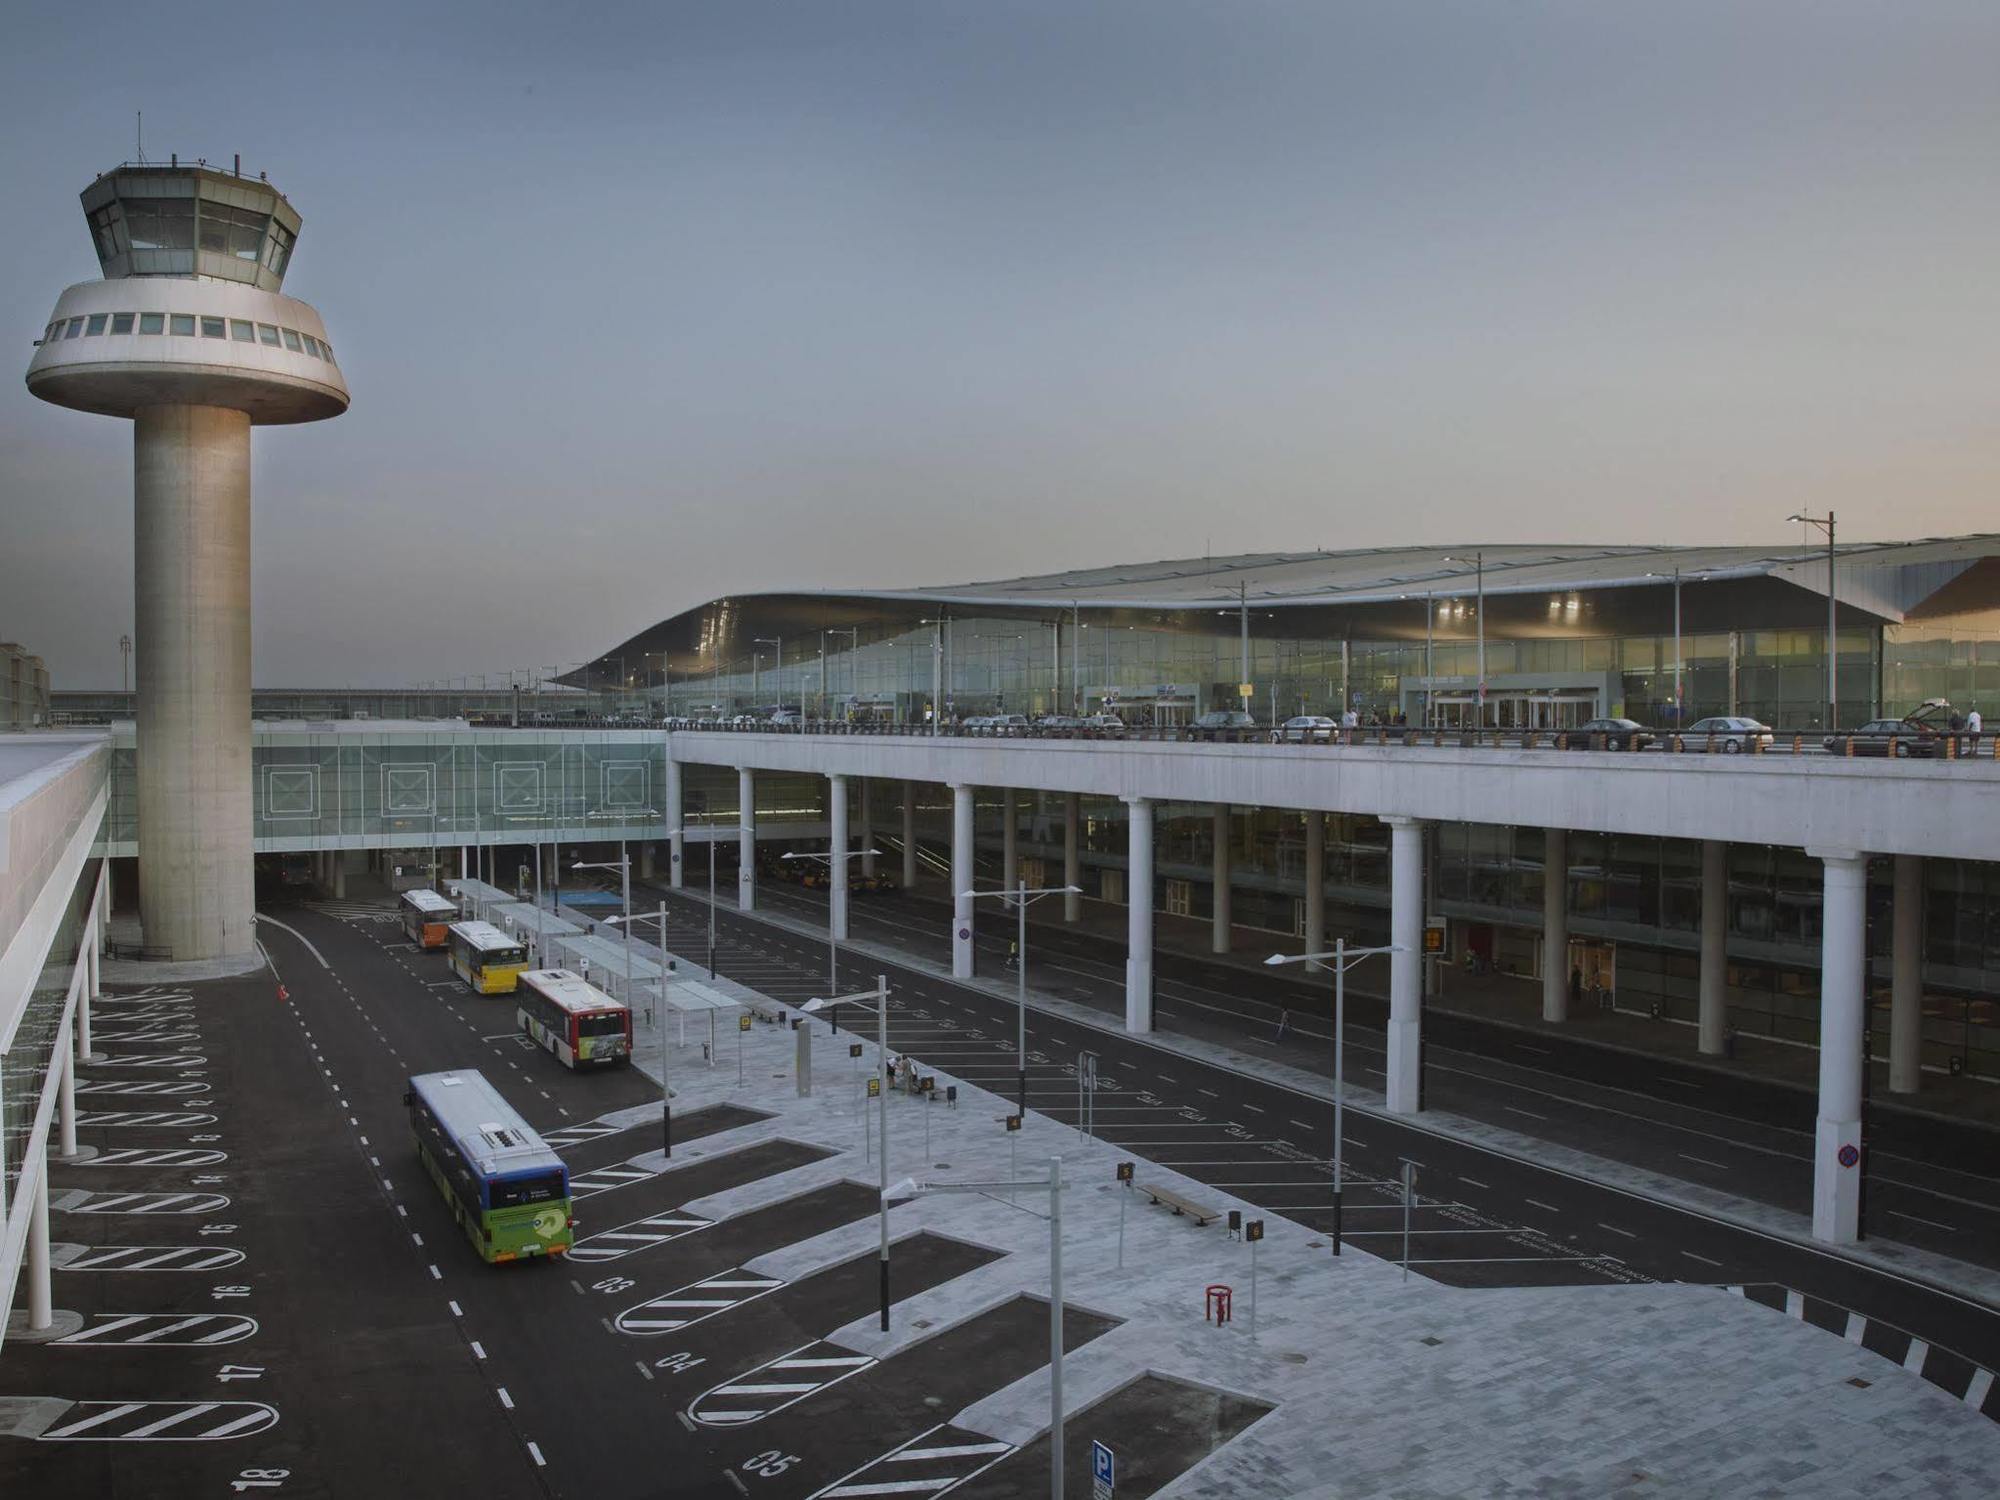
x=1576 y=987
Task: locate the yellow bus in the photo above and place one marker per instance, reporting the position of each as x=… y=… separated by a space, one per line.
x=573 y=1018
x=427 y=918
x=486 y=958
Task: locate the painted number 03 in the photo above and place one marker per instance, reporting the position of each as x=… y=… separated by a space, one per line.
x=770 y=1463
x=260 y=1479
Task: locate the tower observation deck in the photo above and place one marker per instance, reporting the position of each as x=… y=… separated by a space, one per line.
x=190 y=337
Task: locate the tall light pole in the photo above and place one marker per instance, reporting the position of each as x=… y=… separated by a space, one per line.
x=853 y=633
x=624 y=868
x=1021 y=896
x=701 y=810
x=1053 y=1185
x=778 y=672
x=836 y=862
x=1825 y=523
x=1342 y=957
x=125 y=664
x=666 y=967
x=880 y=995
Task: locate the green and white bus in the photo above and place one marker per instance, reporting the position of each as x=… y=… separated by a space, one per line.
x=508 y=1191
x=573 y=1018
x=486 y=958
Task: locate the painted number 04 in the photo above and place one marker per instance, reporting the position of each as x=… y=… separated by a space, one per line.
x=770 y=1463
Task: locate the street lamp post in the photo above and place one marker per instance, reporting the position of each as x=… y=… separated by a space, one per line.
x=836 y=862
x=1054 y=1186
x=1825 y=523
x=880 y=995
x=853 y=633
x=1342 y=957
x=778 y=670
x=666 y=966
x=1021 y=896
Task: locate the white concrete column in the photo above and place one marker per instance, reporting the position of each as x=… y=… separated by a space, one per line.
x=1010 y=840
x=1842 y=1018
x=1906 y=984
x=676 y=824
x=646 y=859
x=41 y=1304
x=1555 y=924
x=1315 y=882
x=746 y=839
x=66 y=1105
x=961 y=882
x=1139 y=916
x=339 y=858
x=1218 y=875
x=837 y=845
x=1713 y=1004
x=909 y=835
x=1072 y=855
x=868 y=827
x=1406 y=986
x=93 y=959
x=191 y=534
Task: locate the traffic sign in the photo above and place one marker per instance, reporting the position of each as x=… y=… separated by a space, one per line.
x=1849 y=1155
x=1434 y=935
x=1103 y=1471
x=1124 y=1171
x=1254 y=1230
x=742 y=1023
x=874 y=1088
x=854 y=1049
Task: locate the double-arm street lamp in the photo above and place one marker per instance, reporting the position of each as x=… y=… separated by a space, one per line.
x=1341 y=957
x=1021 y=896
x=666 y=967
x=1825 y=523
x=909 y=1186
x=836 y=862
x=880 y=996
x=777 y=642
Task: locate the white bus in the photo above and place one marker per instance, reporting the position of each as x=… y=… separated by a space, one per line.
x=573 y=1018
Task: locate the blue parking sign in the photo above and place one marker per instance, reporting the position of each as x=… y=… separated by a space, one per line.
x=1103 y=1470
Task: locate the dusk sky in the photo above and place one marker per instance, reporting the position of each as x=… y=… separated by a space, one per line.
x=643 y=304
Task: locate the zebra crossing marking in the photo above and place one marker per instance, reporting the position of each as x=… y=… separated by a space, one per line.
x=122 y=1118
x=137 y=1086
x=938 y=1459
x=354 y=911
x=640 y=1234
x=160 y=1422
x=154 y=1258
x=141 y=1156
x=804 y=1372
x=153 y=1060
x=78 y=1201
x=576 y=1135
x=150 y=995
x=708 y=1298
x=606 y=1179
x=168 y=1330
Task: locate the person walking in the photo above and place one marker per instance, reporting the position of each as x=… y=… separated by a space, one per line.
x=1973 y=724
x=1576 y=988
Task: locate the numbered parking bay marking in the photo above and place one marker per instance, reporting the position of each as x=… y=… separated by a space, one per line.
x=153 y=1060
x=124 y=1118
x=780 y=1383
x=137 y=1086
x=142 y=1156
x=692 y=1303
x=163 y=1329
x=928 y=1464
x=612 y=1244
x=160 y=1421
x=153 y=1258
x=78 y=1201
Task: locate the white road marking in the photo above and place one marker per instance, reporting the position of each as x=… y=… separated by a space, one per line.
x=540 y=1462
x=505 y=1399
x=1616 y=1230
x=1703 y=1161
x=1528 y=1112
x=1545 y=1207
x=1702 y=1258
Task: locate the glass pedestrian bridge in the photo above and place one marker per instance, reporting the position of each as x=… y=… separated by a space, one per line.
x=394 y=784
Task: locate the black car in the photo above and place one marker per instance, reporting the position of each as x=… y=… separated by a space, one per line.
x=1902 y=738
x=1222 y=724
x=1610 y=734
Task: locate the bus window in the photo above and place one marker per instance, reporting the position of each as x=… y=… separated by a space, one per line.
x=515 y=1192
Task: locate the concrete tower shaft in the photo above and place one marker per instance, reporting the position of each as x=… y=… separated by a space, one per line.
x=190 y=337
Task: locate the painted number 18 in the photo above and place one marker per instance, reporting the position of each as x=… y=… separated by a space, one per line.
x=260 y=1479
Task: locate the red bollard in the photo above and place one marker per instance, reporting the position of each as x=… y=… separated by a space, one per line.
x=1215 y=1306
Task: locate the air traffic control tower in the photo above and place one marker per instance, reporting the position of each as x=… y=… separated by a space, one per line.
x=189 y=337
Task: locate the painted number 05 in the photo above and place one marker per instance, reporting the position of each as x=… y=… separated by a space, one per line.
x=770 y=1463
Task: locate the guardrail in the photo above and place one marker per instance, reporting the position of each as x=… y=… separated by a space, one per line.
x=1899 y=747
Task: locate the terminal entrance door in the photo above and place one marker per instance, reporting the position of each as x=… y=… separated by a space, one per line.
x=1515 y=710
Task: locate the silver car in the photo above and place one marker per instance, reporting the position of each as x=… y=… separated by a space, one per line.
x=1305 y=729
x=1728 y=733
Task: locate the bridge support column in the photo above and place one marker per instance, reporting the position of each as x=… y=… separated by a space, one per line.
x=338 y=860
x=961 y=882
x=746 y=839
x=1836 y=1165
x=909 y=835
x=1906 y=984
x=1218 y=874
x=1406 y=994
x=1010 y=840
x=868 y=827
x=1315 y=882
x=1139 y=916
x=1555 y=924
x=676 y=824
x=836 y=865
x=1072 y=856
x=1712 y=1006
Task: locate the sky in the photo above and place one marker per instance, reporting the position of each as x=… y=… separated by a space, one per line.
x=643 y=304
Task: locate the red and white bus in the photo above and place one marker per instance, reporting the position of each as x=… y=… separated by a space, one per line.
x=574 y=1019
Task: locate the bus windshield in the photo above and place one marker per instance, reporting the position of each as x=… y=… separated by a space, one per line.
x=514 y=1192
x=610 y=1023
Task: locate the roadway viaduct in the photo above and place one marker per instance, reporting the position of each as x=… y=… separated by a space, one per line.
x=1839 y=810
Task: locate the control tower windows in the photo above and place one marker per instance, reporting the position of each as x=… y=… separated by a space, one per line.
x=152 y=322
x=278 y=252
x=121 y=322
x=232 y=231
x=107 y=232
x=292 y=342
x=75 y=328
x=160 y=223
x=266 y=334
x=181 y=325
x=96 y=325
x=212 y=328
x=242 y=332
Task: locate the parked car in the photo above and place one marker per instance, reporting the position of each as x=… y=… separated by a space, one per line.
x=1221 y=724
x=1104 y=725
x=1910 y=737
x=788 y=718
x=1304 y=729
x=1727 y=733
x=1058 y=723
x=1610 y=734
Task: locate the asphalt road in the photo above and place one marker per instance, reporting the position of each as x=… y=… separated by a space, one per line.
x=1484 y=1218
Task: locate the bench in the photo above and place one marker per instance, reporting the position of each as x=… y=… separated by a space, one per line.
x=1200 y=1213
